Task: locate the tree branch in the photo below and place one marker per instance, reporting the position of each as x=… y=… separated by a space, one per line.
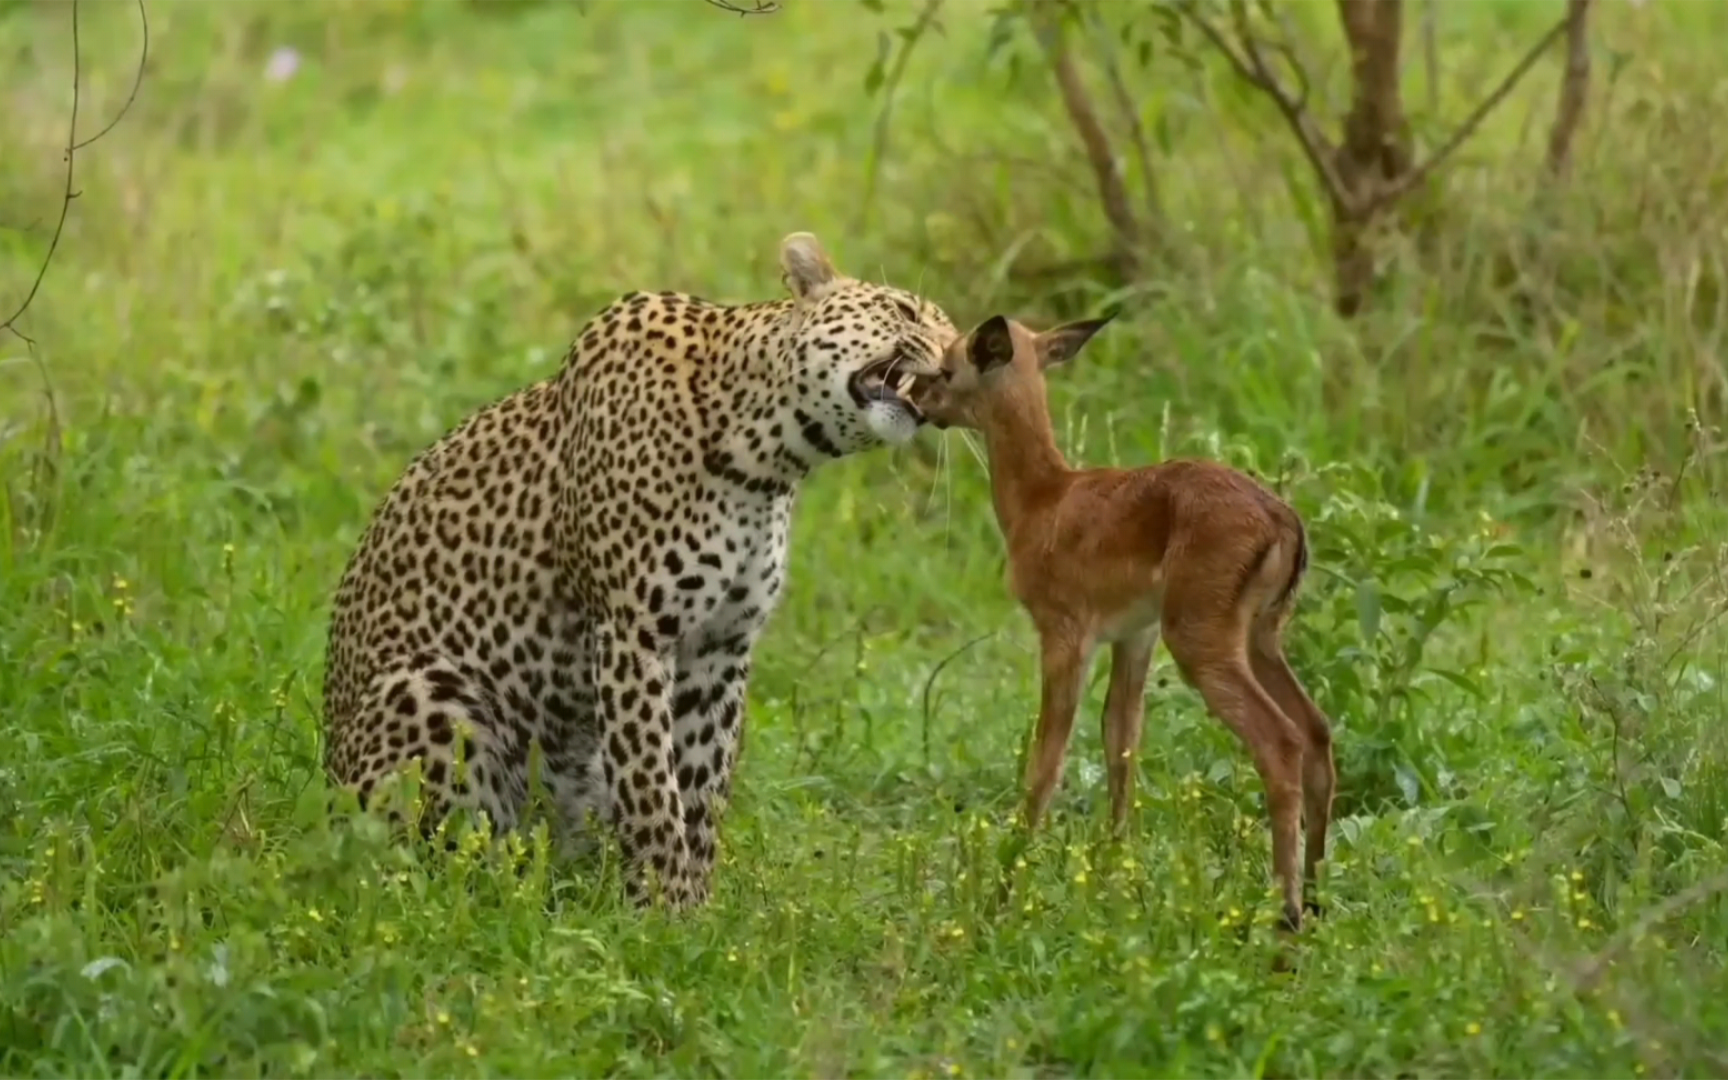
x=1250 y=66
x=1151 y=198
x=1112 y=192
x=137 y=79
x=72 y=148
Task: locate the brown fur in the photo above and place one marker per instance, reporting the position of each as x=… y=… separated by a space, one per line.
x=1191 y=551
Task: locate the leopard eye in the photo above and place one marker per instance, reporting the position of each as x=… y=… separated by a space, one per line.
x=907 y=311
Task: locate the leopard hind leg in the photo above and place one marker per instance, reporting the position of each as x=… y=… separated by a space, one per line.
x=430 y=710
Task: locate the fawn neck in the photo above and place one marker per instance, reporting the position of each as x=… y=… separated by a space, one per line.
x=1027 y=471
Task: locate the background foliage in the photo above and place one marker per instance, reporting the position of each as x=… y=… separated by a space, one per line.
x=274 y=290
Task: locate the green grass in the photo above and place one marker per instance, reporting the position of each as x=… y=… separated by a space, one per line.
x=271 y=295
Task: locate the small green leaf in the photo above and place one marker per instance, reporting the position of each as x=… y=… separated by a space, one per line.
x=1409 y=784
x=1368 y=608
x=1393 y=604
x=878 y=72
x=1469 y=686
x=1001 y=32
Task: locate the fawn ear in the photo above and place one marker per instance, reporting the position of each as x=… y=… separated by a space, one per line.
x=991 y=345
x=1060 y=345
x=808 y=271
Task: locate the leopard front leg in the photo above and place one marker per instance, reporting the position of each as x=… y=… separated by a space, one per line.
x=633 y=678
x=708 y=716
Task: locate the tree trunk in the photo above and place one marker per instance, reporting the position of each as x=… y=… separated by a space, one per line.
x=1375 y=151
x=1574 y=89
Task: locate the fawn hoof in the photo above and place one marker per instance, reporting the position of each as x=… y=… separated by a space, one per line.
x=1314 y=908
x=1290 y=920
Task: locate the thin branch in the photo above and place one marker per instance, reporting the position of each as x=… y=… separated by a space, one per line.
x=66 y=199
x=1112 y=192
x=1284 y=46
x=1251 y=68
x=757 y=7
x=72 y=148
x=1150 y=197
x=930 y=683
x=1414 y=178
x=137 y=79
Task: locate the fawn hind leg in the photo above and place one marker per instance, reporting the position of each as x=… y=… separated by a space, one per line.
x=1209 y=642
x=1319 y=773
x=1124 y=718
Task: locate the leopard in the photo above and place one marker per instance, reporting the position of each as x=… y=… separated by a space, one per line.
x=571 y=582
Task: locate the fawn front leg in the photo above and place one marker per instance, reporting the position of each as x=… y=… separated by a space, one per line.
x=633 y=680
x=1124 y=716
x=1062 y=671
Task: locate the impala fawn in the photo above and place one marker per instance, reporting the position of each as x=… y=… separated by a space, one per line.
x=1191 y=550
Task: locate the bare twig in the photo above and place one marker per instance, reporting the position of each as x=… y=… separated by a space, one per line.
x=137 y=79
x=65 y=201
x=72 y=148
x=1112 y=192
x=930 y=683
x=1574 y=88
x=757 y=7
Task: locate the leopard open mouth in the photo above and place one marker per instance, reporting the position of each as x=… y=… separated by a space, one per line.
x=898 y=380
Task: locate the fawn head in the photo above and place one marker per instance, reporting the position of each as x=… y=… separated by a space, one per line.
x=999 y=360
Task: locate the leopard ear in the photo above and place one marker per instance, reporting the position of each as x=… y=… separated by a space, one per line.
x=809 y=273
